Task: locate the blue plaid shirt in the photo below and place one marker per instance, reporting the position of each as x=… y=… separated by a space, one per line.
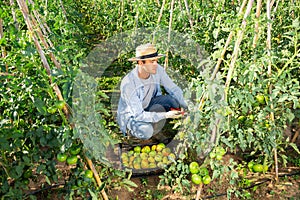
x=132 y=95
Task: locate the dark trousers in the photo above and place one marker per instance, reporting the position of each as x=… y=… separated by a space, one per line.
x=145 y=130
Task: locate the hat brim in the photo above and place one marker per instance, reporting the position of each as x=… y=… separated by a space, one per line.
x=151 y=58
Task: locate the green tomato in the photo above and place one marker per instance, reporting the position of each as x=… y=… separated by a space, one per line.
x=72 y=160
x=260 y=99
x=51 y=110
x=137 y=149
x=258 y=168
x=206 y=179
x=194 y=167
x=250 y=165
x=61 y=157
x=75 y=150
x=88 y=174
x=60 y=104
x=212 y=155
x=221 y=151
x=203 y=171
x=251 y=118
x=219 y=157
x=241 y=119
x=196 y=179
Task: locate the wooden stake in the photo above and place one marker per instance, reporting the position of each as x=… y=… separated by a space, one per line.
x=189 y=15
x=169 y=33
x=96 y=175
x=3 y=51
x=268 y=44
x=199 y=190
x=240 y=35
x=12 y=4
x=24 y=10
x=158 y=3
x=41 y=31
x=161 y=11
x=220 y=59
x=257 y=15
x=296 y=135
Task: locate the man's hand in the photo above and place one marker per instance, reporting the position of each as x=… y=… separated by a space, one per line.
x=173 y=114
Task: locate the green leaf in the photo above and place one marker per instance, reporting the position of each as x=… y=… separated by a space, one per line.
x=94 y=196
x=294 y=147
x=129 y=182
x=40 y=105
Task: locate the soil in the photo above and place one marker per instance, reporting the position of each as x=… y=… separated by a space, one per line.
x=261 y=186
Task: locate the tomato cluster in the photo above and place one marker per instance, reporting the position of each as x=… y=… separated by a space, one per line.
x=217 y=153
x=71 y=157
x=199 y=174
x=257 y=167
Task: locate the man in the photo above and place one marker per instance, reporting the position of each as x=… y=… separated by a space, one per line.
x=142 y=108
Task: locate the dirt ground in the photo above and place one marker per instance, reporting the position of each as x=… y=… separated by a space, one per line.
x=262 y=186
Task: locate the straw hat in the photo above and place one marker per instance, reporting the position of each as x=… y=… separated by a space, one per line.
x=145 y=52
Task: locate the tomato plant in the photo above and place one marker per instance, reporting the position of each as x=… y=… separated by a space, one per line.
x=246 y=111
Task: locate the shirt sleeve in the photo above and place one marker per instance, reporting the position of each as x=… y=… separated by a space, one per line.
x=131 y=97
x=171 y=88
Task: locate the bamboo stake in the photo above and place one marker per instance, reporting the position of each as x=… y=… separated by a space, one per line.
x=268 y=44
x=41 y=31
x=199 y=190
x=158 y=3
x=63 y=10
x=3 y=51
x=161 y=11
x=231 y=68
x=257 y=15
x=180 y=8
x=121 y=14
x=220 y=59
x=96 y=175
x=12 y=3
x=296 y=135
x=189 y=14
x=24 y=10
x=169 y=33
x=240 y=35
